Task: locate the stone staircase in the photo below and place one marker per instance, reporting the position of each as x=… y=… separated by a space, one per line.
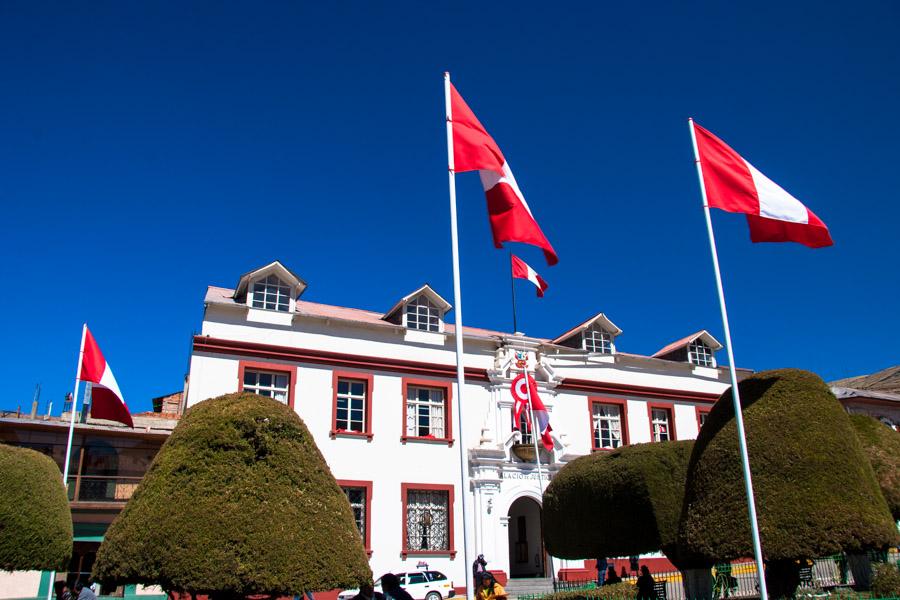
x=528 y=586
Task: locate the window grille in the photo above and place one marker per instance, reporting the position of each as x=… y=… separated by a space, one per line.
x=357 y=498
x=660 y=422
x=422 y=314
x=700 y=354
x=607 y=425
x=427 y=520
x=597 y=340
x=264 y=383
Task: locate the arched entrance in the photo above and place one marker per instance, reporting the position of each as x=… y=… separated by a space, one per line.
x=526 y=544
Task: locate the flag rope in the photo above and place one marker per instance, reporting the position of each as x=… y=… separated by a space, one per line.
x=458 y=326
x=735 y=392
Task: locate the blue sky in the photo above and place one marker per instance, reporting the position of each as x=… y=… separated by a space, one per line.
x=151 y=149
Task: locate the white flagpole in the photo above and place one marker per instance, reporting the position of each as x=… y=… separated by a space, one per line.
x=535 y=432
x=65 y=473
x=460 y=369
x=735 y=392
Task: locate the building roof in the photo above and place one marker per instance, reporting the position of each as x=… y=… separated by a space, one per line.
x=886 y=380
x=676 y=345
x=276 y=266
x=600 y=318
x=845 y=393
x=425 y=290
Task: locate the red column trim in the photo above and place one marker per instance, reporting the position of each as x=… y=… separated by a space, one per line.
x=273 y=367
x=670 y=408
x=404 y=489
x=369 y=379
x=448 y=410
x=368 y=485
x=623 y=407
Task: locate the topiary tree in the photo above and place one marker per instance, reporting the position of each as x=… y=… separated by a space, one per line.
x=815 y=491
x=35 y=521
x=882 y=446
x=618 y=503
x=238 y=501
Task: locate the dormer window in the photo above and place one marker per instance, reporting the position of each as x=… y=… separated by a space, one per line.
x=700 y=354
x=598 y=340
x=421 y=314
x=271 y=294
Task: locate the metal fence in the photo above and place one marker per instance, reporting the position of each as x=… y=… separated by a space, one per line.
x=739 y=580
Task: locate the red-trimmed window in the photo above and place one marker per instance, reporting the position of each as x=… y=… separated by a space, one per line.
x=426 y=411
x=662 y=422
x=268 y=379
x=351 y=412
x=609 y=423
x=702 y=414
x=427 y=519
x=359 y=494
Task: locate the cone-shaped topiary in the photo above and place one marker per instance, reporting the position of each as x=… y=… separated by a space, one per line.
x=238 y=501
x=815 y=491
x=621 y=503
x=882 y=445
x=35 y=521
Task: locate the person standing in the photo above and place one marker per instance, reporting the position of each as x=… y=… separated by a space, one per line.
x=646 y=589
x=390 y=587
x=478 y=567
x=602 y=565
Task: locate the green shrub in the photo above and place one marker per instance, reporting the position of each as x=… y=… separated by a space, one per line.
x=35 y=521
x=620 y=503
x=815 y=490
x=882 y=445
x=617 y=591
x=886 y=581
x=238 y=501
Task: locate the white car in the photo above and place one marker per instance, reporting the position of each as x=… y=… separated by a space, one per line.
x=421 y=585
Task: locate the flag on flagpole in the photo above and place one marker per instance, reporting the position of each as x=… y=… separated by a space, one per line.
x=475 y=150
x=521 y=270
x=734 y=185
x=106 y=399
x=521 y=396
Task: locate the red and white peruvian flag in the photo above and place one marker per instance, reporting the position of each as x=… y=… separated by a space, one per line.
x=106 y=399
x=521 y=270
x=475 y=150
x=521 y=395
x=734 y=185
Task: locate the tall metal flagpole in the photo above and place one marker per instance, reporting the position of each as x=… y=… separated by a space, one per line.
x=535 y=432
x=735 y=392
x=460 y=369
x=65 y=472
x=512 y=286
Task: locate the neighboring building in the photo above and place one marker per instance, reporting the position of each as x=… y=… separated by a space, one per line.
x=876 y=395
x=378 y=390
x=108 y=461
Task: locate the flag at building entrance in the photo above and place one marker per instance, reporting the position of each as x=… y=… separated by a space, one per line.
x=522 y=394
x=475 y=150
x=521 y=270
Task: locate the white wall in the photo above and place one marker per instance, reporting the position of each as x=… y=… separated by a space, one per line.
x=19 y=584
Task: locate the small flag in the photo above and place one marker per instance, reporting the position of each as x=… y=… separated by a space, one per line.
x=521 y=270
x=520 y=395
x=106 y=399
x=734 y=185
x=475 y=150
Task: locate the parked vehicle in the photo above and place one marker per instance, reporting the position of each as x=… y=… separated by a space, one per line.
x=421 y=585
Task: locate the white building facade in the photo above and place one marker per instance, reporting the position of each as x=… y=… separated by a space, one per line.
x=378 y=392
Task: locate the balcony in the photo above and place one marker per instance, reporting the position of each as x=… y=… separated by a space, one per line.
x=99 y=488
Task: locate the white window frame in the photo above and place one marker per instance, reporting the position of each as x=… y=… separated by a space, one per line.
x=274 y=294
x=700 y=354
x=422 y=314
x=417 y=407
x=597 y=340
x=657 y=424
x=349 y=397
x=611 y=422
x=282 y=394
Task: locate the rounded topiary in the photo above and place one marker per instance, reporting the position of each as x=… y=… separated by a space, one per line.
x=35 y=521
x=886 y=581
x=238 y=501
x=882 y=445
x=620 y=503
x=815 y=491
